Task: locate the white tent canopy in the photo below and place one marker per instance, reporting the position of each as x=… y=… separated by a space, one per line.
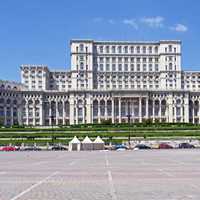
x=98 y=144
x=87 y=144
x=75 y=144
x=87 y=140
x=75 y=140
x=98 y=140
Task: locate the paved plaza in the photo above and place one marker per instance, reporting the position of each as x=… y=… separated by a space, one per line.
x=130 y=175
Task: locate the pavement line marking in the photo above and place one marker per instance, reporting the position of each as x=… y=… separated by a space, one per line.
x=194 y=186
x=166 y=173
x=112 y=189
x=34 y=186
x=39 y=163
x=72 y=163
x=106 y=158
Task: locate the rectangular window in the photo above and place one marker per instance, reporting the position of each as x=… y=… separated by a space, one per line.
x=156 y=67
x=138 y=67
x=113 y=67
x=101 y=67
x=113 y=49
x=150 y=49
x=144 y=60
x=101 y=59
x=113 y=59
x=132 y=49
x=119 y=49
x=170 y=48
x=132 y=67
x=126 y=49
x=150 y=68
x=138 y=49
x=107 y=67
x=120 y=67
x=132 y=59
x=144 y=67
x=144 y=50
x=107 y=49
x=126 y=67
x=101 y=49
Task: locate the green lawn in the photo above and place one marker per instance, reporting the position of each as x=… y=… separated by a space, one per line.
x=117 y=133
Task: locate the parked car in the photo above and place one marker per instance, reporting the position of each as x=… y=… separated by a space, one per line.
x=142 y=146
x=58 y=148
x=186 y=145
x=165 y=146
x=32 y=148
x=8 y=148
x=120 y=147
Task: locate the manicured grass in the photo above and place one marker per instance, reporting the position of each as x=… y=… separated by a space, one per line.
x=102 y=134
x=117 y=132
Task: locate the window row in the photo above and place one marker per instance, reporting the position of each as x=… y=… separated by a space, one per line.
x=126 y=59
x=127 y=67
x=126 y=49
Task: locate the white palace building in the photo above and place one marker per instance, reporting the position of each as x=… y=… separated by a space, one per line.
x=109 y=80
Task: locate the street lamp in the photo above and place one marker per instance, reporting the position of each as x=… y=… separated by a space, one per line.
x=52 y=119
x=129 y=121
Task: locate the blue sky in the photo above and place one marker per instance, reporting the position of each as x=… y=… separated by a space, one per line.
x=38 y=32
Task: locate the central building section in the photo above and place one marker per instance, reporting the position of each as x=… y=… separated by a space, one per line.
x=126 y=65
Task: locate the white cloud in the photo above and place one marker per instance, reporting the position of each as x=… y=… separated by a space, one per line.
x=131 y=22
x=153 y=22
x=97 y=19
x=111 y=21
x=179 y=28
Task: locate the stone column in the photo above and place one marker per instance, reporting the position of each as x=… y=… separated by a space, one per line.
x=71 y=111
x=11 y=114
x=181 y=112
x=34 y=116
x=199 y=111
x=170 y=108
x=131 y=110
x=76 y=108
x=106 y=109
x=83 y=112
x=126 y=109
x=140 y=109
x=5 y=115
x=99 y=113
x=64 y=112
x=186 y=108
x=175 y=112
x=120 y=112
x=50 y=114
x=113 y=111
x=41 y=114
x=89 y=110
x=193 y=112
x=57 y=112
x=159 y=114
x=27 y=113
x=153 y=110
x=19 y=113
x=147 y=108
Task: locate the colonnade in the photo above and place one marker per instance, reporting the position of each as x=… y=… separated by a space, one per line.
x=40 y=110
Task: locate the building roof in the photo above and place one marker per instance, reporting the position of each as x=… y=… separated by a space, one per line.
x=124 y=42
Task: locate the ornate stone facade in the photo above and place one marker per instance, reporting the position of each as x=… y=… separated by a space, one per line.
x=108 y=80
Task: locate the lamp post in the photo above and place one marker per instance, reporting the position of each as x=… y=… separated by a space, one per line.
x=129 y=121
x=52 y=137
